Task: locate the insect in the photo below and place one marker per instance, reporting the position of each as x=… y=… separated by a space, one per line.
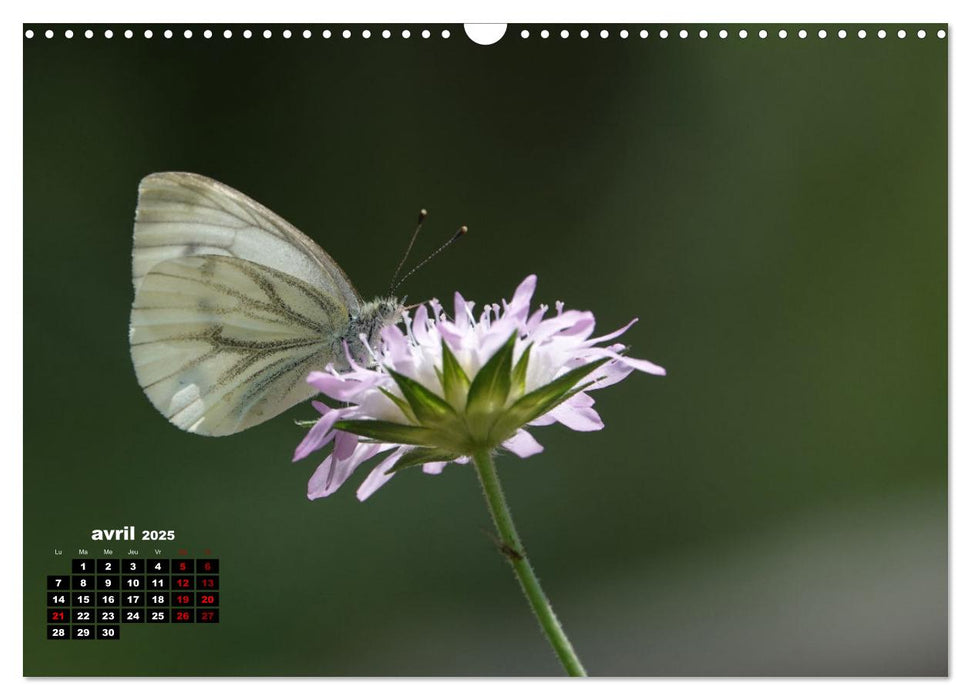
x=234 y=306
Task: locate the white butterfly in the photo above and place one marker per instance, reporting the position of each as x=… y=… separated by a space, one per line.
x=234 y=306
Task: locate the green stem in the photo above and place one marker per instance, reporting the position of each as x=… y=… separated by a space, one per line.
x=513 y=550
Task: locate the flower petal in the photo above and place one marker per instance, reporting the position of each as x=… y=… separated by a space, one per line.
x=522 y=444
x=580 y=418
x=433 y=467
x=378 y=476
x=331 y=474
x=319 y=435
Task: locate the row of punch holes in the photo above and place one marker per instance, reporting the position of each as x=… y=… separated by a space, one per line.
x=524 y=34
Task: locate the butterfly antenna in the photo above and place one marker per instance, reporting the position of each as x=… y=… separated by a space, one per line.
x=455 y=236
x=422 y=215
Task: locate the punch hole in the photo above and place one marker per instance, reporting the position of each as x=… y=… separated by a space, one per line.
x=783 y=33
x=88 y=34
x=167 y=33
x=803 y=34
x=604 y=33
x=366 y=34
x=940 y=33
x=29 y=34
x=901 y=34
x=663 y=34
x=287 y=34
x=386 y=34
x=683 y=34
x=49 y=34
x=921 y=34
x=425 y=34
x=841 y=33
x=486 y=34
x=545 y=34
x=109 y=33
x=129 y=33
x=564 y=34
x=703 y=34
x=882 y=34
x=742 y=33
x=763 y=34
x=584 y=34
x=624 y=34
x=247 y=34
x=821 y=33
x=643 y=34
x=187 y=33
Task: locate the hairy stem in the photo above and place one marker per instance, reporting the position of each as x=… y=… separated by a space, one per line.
x=512 y=548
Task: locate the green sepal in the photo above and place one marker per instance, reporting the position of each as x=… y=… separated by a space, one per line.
x=400 y=403
x=544 y=399
x=421 y=455
x=519 y=372
x=386 y=431
x=490 y=388
x=429 y=407
x=455 y=382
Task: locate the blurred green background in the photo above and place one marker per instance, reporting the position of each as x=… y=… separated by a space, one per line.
x=774 y=212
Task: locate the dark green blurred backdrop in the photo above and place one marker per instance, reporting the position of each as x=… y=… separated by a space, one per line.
x=774 y=212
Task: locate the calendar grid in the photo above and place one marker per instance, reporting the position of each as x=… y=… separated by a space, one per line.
x=98 y=596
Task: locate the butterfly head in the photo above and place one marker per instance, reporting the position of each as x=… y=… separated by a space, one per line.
x=373 y=316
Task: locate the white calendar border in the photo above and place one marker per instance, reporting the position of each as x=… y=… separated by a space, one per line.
x=521 y=11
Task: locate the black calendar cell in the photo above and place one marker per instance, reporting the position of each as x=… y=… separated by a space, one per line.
x=56 y=600
x=108 y=615
x=58 y=583
x=210 y=599
x=182 y=566
x=207 y=566
x=158 y=600
x=58 y=632
x=82 y=616
x=82 y=566
x=132 y=600
x=108 y=600
x=182 y=616
x=207 y=583
x=182 y=600
x=109 y=566
x=107 y=632
x=58 y=615
x=132 y=583
x=181 y=583
x=108 y=583
x=82 y=632
x=157 y=616
x=133 y=615
x=157 y=583
x=207 y=616
x=82 y=600
x=156 y=566
x=83 y=583
x=132 y=566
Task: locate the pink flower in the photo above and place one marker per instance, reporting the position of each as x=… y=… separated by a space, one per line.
x=444 y=388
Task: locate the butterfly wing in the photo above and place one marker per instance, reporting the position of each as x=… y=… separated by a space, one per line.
x=221 y=344
x=184 y=214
